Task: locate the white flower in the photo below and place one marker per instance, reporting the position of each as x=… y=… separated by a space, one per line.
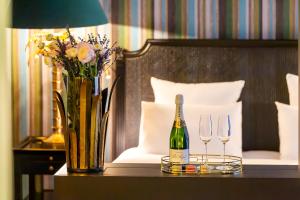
x=85 y=52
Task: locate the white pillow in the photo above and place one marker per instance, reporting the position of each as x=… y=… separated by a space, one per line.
x=292 y=83
x=157 y=121
x=197 y=93
x=288 y=131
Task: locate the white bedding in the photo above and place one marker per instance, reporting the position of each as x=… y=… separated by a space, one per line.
x=137 y=155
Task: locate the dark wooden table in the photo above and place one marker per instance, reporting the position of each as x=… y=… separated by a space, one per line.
x=33 y=157
x=145 y=181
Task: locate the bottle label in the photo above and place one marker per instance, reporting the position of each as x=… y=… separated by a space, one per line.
x=179 y=156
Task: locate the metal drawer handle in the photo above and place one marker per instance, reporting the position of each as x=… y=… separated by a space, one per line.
x=51 y=158
x=51 y=168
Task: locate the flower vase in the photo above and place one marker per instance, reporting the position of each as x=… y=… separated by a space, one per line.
x=85 y=124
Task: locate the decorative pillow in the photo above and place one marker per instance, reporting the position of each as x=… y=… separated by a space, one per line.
x=157 y=121
x=288 y=131
x=219 y=93
x=292 y=83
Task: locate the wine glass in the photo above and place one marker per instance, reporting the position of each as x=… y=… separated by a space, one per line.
x=205 y=131
x=224 y=133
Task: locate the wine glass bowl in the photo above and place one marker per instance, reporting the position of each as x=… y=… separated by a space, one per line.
x=224 y=139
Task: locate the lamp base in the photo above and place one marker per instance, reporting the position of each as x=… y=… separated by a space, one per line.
x=55 y=138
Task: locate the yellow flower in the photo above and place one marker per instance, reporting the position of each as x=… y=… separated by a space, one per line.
x=53 y=49
x=52 y=53
x=53 y=46
x=41 y=45
x=38 y=51
x=47 y=60
x=71 y=53
x=64 y=36
x=98 y=46
x=49 y=37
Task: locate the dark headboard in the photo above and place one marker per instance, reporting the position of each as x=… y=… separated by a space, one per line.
x=262 y=64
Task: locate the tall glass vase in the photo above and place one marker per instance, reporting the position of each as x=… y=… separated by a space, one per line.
x=85 y=130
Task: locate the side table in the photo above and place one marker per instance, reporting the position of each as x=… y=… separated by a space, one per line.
x=34 y=157
x=147 y=182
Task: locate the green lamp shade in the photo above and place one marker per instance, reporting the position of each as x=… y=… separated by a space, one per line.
x=42 y=14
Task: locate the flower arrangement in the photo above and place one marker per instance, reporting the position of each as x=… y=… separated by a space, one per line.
x=85 y=58
x=83 y=105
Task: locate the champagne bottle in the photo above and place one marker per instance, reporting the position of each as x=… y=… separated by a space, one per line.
x=179 y=137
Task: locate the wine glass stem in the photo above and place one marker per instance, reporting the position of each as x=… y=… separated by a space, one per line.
x=206 y=159
x=224 y=152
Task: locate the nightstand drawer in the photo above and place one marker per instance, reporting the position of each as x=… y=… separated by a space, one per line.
x=48 y=158
x=39 y=162
x=44 y=168
x=41 y=167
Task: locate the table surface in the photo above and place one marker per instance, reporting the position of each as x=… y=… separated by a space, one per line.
x=34 y=143
x=153 y=170
x=137 y=181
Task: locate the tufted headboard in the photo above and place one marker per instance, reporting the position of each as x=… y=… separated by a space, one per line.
x=262 y=64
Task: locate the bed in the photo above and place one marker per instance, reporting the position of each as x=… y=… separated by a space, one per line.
x=262 y=64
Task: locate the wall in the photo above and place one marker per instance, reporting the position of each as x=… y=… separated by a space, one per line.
x=5 y=109
x=137 y=20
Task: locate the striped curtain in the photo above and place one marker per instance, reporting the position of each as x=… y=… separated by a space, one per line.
x=134 y=21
